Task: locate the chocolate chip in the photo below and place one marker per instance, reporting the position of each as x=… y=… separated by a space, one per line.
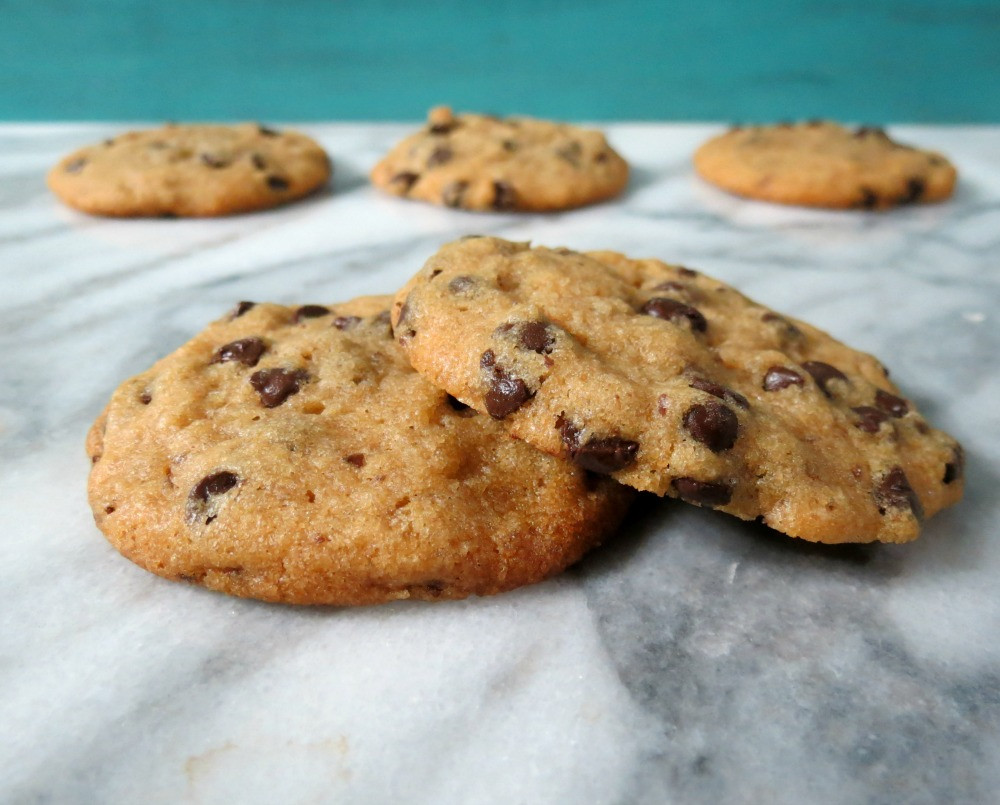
x=246 y=351
x=443 y=128
x=569 y=433
x=536 y=336
x=602 y=156
x=459 y=407
x=404 y=334
x=346 y=322
x=509 y=145
x=461 y=284
x=914 y=191
x=670 y=309
x=605 y=455
x=571 y=153
x=405 y=179
x=869 y=199
x=214 y=162
x=357 y=459
x=76 y=165
x=504 y=196
x=258 y=161
x=871 y=131
x=891 y=404
x=780 y=377
x=955 y=468
x=702 y=493
x=870 y=419
x=435 y=272
x=713 y=424
x=719 y=391
x=789 y=328
x=267 y=132
x=240 y=309
x=216 y=484
x=145 y=398
x=823 y=373
x=439 y=156
x=277 y=183
x=684 y=271
x=277 y=385
x=310 y=312
x=894 y=491
x=453 y=193
x=506 y=393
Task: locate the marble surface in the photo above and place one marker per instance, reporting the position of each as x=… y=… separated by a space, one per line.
x=694 y=658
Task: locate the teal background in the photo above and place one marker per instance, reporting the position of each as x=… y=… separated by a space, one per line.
x=734 y=60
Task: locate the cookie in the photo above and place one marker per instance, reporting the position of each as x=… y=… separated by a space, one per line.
x=480 y=162
x=675 y=383
x=191 y=171
x=292 y=454
x=823 y=164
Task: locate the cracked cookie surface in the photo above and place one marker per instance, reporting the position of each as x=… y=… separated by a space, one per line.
x=480 y=162
x=824 y=164
x=191 y=171
x=675 y=383
x=293 y=455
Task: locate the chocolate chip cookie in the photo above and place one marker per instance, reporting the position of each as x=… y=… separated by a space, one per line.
x=191 y=170
x=480 y=162
x=675 y=383
x=292 y=454
x=823 y=164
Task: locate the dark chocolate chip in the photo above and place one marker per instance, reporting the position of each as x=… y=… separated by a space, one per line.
x=780 y=377
x=789 y=328
x=461 y=284
x=277 y=385
x=357 y=459
x=670 y=309
x=267 y=132
x=404 y=334
x=602 y=156
x=258 y=161
x=504 y=196
x=453 y=193
x=214 y=162
x=869 y=199
x=459 y=407
x=870 y=419
x=434 y=273
x=719 y=391
x=823 y=373
x=216 y=484
x=506 y=393
x=509 y=145
x=568 y=432
x=405 y=179
x=713 y=424
x=703 y=493
x=891 y=404
x=439 y=156
x=536 y=336
x=894 y=491
x=571 y=153
x=241 y=308
x=955 y=468
x=442 y=128
x=76 y=165
x=605 y=455
x=277 y=183
x=145 y=398
x=684 y=271
x=246 y=351
x=914 y=191
x=310 y=312
x=346 y=322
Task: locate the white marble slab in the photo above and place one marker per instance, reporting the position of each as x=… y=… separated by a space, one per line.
x=695 y=658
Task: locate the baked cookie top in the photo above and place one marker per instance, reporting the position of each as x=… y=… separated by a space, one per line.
x=673 y=382
x=191 y=170
x=480 y=162
x=292 y=454
x=824 y=164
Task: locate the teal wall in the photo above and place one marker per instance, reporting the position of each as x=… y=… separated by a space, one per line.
x=874 y=61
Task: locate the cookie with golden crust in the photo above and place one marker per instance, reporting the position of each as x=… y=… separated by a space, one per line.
x=191 y=170
x=481 y=162
x=675 y=383
x=824 y=164
x=293 y=455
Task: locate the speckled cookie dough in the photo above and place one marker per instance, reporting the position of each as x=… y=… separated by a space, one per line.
x=824 y=164
x=191 y=170
x=292 y=454
x=675 y=383
x=480 y=162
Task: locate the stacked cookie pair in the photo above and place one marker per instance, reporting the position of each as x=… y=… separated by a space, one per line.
x=492 y=427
